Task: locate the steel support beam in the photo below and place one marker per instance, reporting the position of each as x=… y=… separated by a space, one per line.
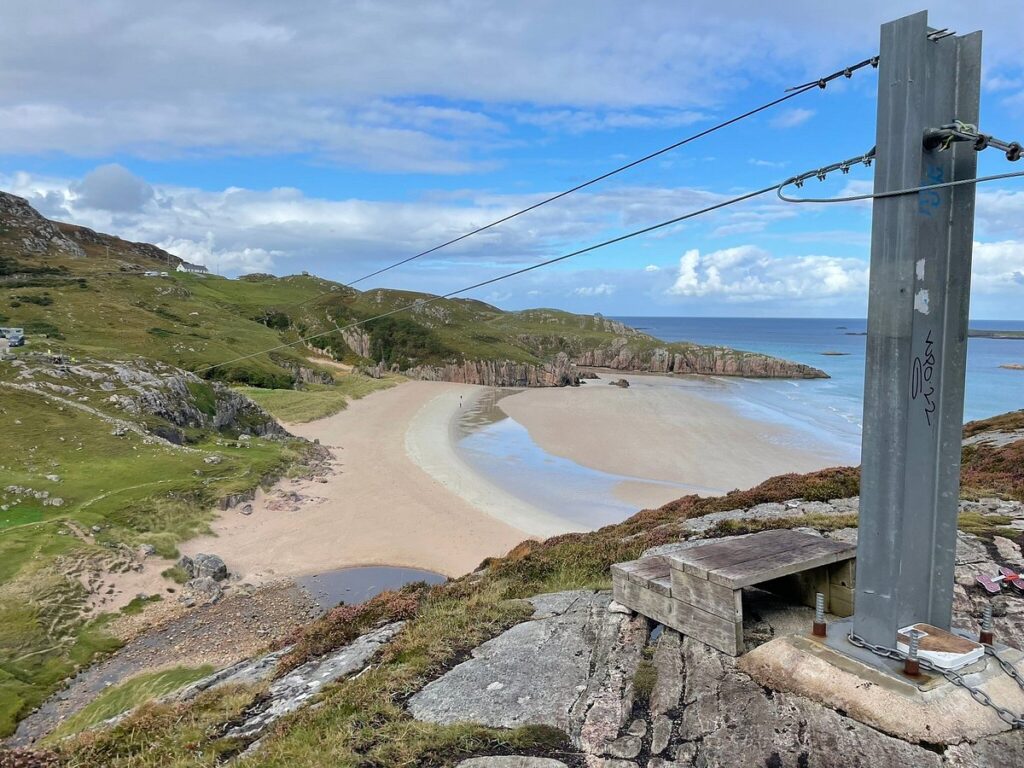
x=917 y=332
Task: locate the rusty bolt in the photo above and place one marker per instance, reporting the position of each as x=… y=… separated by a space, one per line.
x=985 y=637
x=819 y=629
x=911 y=665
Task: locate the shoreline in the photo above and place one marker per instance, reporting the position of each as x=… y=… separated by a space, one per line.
x=377 y=507
x=664 y=429
x=400 y=493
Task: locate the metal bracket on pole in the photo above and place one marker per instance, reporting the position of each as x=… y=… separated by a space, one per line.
x=917 y=332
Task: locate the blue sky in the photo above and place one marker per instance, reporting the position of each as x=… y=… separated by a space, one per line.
x=336 y=137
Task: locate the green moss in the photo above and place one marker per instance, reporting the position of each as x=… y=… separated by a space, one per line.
x=644 y=680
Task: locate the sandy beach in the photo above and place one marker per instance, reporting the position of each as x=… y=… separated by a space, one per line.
x=400 y=494
x=660 y=428
x=377 y=508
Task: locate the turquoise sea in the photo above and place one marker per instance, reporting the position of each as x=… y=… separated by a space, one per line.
x=832 y=408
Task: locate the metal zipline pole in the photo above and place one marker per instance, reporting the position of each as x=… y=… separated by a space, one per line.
x=917 y=332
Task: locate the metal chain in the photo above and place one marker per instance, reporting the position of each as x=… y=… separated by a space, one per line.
x=1006 y=715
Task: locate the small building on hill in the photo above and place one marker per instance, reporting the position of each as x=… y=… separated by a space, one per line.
x=194 y=269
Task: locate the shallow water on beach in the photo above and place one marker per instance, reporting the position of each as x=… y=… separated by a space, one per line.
x=502 y=450
x=356 y=585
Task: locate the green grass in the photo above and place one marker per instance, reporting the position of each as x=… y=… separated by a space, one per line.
x=137 y=491
x=128 y=695
x=315 y=401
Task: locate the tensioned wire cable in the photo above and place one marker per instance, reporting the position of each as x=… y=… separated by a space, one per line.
x=506 y=276
x=636 y=233
x=791 y=93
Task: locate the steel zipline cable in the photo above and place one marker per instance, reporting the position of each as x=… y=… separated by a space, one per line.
x=499 y=278
x=820 y=83
x=820 y=173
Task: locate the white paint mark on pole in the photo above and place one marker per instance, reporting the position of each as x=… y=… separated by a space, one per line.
x=921 y=301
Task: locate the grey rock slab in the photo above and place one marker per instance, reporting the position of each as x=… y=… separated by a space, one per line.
x=608 y=701
x=543 y=667
x=661 y=733
x=625 y=747
x=557 y=603
x=246 y=672
x=668 y=661
x=1009 y=551
x=511 y=761
x=736 y=722
x=295 y=689
x=1001 y=751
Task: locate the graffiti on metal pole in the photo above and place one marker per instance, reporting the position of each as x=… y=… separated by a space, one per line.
x=930 y=199
x=921 y=376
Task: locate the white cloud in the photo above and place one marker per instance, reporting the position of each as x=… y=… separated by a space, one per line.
x=339 y=82
x=791 y=118
x=767 y=163
x=748 y=273
x=602 y=289
x=998 y=268
x=652 y=268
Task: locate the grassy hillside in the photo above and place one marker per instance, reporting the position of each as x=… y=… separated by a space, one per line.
x=85 y=293
x=362 y=721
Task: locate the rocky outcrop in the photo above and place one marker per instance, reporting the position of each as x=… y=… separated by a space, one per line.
x=34 y=233
x=118 y=248
x=575 y=664
x=624 y=354
x=503 y=373
x=299 y=686
x=357 y=340
x=142 y=388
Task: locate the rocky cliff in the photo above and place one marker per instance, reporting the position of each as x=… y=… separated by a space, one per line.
x=624 y=355
x=500 y=373
x=563 y=370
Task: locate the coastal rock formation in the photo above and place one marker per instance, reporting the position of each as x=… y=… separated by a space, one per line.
x=622 y=355
x=504 y=373
x=204 y=566
x=145 y=388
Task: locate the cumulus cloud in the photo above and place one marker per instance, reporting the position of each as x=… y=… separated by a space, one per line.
x=112 y=188
x=652 y=268
x=750 y=273
x=998 y=268
x=160 y=80
x=602 y=289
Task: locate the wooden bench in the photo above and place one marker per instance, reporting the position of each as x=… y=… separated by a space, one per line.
x=698 y=589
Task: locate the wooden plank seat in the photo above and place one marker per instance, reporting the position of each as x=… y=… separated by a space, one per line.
x=698 y=590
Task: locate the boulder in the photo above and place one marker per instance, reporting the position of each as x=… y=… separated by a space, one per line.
x=203 y=589
x=204 y=565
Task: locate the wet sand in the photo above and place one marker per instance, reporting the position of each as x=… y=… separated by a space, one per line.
x=662 y=428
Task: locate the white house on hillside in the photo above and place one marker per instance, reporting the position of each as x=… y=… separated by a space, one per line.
x=196 y=269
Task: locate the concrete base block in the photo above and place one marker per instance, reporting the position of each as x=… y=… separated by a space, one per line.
x=929 y=709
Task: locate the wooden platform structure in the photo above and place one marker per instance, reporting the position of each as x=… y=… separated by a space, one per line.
x=697 y=589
